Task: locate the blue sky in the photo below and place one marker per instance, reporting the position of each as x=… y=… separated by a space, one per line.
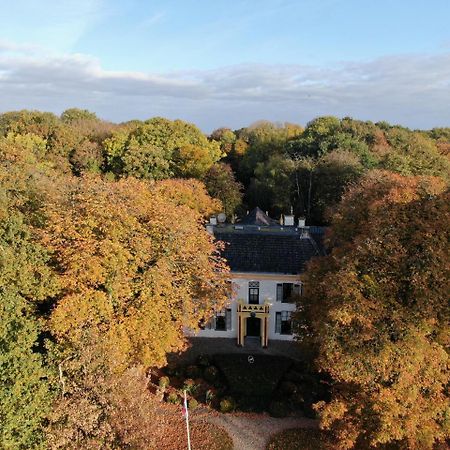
x=229 y=63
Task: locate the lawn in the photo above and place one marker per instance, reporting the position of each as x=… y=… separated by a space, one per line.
x=300 y=439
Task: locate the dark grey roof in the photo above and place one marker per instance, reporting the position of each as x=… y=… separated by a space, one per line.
x=257 y=217
x=285 y=252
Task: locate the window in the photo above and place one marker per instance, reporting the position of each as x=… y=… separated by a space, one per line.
x=283 y=322
x=222 y=320
x=253 y=292
x=286 y=292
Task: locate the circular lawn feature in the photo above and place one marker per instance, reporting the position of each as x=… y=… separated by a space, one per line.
x=299 y=439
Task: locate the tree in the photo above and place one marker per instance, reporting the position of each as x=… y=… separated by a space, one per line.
x=377 y=311
x=26 y=281
x=271 y=187
x=191 y=193
x=160 y=148
x=135 y=267
x=414 y=154
x=221 y=184
x=75 y=114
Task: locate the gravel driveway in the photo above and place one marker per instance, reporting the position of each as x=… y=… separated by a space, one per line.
x=253 y=431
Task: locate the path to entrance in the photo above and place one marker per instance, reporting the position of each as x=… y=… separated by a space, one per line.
x=253 y=431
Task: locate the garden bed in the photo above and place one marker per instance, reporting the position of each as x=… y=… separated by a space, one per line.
x=229 y=382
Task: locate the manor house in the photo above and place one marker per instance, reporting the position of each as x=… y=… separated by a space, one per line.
x=266 y=259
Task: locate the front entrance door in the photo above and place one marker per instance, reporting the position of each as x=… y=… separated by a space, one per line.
x=253 y=326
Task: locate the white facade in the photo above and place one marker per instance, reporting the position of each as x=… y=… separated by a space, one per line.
x=269 y=288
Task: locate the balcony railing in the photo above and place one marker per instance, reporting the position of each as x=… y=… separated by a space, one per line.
x=248 y=307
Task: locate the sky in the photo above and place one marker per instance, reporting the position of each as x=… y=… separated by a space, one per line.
x=229 y=63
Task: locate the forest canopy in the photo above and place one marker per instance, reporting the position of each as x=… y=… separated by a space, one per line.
x=105 y=260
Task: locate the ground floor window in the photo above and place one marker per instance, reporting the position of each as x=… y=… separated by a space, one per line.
x=283 y=322
x=220 y=322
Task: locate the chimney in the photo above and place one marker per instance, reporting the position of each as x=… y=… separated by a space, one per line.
x=301 y=222
x=289 y=220
x=213 y=220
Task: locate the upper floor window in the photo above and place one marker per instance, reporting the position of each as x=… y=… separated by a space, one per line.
x=253 y=292
x=286 y=292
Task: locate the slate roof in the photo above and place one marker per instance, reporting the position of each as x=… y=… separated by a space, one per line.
x=258 y=217
x=253 y=247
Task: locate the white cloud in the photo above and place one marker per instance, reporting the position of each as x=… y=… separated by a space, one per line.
x=409 y=89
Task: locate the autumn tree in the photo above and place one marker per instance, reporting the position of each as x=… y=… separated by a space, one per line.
x=135 y=268
x=377 y=311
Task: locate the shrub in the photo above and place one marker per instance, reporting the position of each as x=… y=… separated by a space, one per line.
x=294 y=376
x=211 y=373
x=288 y=388
x=189 y=386
x=193 y=371
x=172 y=397
x=203 y=361
x=164 y=382
x=278 y=409
x=193 y=403
x=227 y=404
x=298 y=399
x=209 y=396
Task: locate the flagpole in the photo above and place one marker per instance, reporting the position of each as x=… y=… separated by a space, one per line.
x=187 y=421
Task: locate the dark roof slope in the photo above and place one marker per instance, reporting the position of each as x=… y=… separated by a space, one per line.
x=257 y=217
x=285 y=253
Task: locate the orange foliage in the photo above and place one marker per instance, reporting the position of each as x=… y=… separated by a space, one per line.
x=135 y=266
x=377 y=308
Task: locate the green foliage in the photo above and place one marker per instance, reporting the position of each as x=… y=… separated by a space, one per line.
x=192 y=404
x=227 y=404
x=25 y=393
x=172 y=397
x=221 y=184
x=164 y=382
x=75 y=114
x=190 y=386
x=160 y=148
